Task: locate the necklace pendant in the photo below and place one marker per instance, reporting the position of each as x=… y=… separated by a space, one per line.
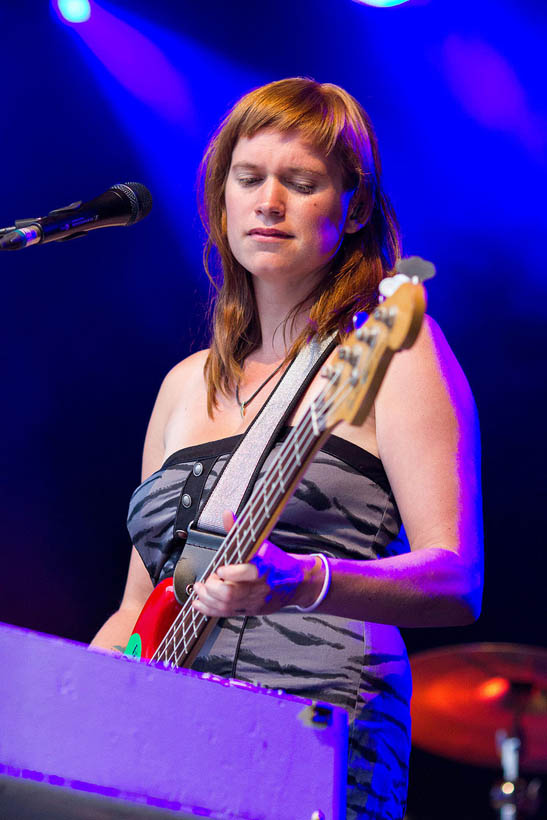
x=242 y=409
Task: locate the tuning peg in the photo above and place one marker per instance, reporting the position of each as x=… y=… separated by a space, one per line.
x=385 y=315
x=330 y=372
x=354 y=378
x=413 y=269
x=416 y=268
x=367 y=334
x=350 y=354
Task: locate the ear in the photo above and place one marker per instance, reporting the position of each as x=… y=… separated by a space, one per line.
x=353 y=223
x=357 y=218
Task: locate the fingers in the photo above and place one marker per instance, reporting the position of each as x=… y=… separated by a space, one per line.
x=221 y=598
x=214 y=590
x=238 y=572
x=263 y=585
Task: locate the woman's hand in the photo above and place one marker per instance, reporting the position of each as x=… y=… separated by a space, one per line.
x=271 y=580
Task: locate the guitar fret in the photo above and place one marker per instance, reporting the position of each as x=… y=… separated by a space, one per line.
x=280 y=478
x=314 y=420
x=297 y=452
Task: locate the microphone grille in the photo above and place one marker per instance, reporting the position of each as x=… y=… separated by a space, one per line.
x=139 y=197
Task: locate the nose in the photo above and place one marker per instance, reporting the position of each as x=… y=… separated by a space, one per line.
x=271 y=200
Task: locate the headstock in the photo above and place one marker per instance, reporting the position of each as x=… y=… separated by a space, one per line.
x=357 y=371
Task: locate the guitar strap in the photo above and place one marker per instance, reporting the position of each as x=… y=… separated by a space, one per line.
x=234 y=486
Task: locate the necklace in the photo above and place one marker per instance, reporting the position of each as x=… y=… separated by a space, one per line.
x=243 y=404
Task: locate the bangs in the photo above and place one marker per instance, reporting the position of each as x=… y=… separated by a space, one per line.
x=308 y=113
x=323 y=115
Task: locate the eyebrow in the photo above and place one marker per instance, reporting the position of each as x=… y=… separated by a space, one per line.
x=293 y=169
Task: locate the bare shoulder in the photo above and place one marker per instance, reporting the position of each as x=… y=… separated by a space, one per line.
x=185 y=379
x=188 y=372
x=428 y=372
x=428 y=439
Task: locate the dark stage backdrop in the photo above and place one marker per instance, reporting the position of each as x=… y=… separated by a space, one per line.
x=90 y=327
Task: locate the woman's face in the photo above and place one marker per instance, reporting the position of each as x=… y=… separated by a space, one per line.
x=286 y=209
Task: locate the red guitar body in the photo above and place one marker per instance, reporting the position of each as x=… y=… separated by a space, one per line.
x=153 y=623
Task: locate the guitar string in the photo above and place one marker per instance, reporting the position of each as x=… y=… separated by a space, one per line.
x=267 y=486
x=198 y=619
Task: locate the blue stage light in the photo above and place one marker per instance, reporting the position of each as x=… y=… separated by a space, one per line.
x=74 y=11
x=381 y=3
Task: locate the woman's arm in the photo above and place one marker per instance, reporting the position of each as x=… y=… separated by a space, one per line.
x=428 y=440
x=115 y=633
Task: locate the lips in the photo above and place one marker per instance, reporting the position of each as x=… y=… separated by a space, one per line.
x=270 y=232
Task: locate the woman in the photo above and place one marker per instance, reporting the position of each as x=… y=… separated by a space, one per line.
x=294 y=210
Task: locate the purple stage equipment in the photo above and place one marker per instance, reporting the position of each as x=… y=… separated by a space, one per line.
x=89 y=735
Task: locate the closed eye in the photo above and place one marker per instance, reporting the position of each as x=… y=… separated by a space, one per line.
x=248 y=180
x=303 y=187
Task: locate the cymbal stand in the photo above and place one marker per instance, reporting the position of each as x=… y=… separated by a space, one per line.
x=512 y=793
x=505 y=794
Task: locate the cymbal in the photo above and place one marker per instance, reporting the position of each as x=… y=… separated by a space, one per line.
x=464 y=694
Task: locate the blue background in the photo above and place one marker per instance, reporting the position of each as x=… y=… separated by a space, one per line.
x=89 y=328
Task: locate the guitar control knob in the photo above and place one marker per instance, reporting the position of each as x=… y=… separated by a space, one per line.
x=344 y=352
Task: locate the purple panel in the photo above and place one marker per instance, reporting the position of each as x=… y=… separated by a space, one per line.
x=170 y=738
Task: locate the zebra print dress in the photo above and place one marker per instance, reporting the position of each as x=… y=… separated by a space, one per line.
x=343 y=508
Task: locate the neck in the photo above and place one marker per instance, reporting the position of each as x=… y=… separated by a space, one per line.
x=275 y=304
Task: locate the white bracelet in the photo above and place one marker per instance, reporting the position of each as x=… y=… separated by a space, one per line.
x=324 y=588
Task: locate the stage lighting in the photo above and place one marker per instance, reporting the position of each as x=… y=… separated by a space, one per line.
x=74 y=11
x=380 y=3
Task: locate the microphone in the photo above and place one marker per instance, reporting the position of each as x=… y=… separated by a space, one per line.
x=122 y=204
